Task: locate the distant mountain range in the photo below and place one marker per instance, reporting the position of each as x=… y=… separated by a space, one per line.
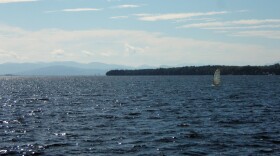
x=68 y=68
x=60 y=68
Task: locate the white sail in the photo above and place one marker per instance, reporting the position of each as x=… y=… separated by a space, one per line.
x=217 y=77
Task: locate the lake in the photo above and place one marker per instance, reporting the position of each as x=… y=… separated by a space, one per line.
x=148 y=115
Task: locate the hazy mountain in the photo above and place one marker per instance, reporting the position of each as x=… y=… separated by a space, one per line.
x=13 y=68
x=92 y=65
x=165 y=66
x=62 y=70
x=58 y=68
x=146 y=67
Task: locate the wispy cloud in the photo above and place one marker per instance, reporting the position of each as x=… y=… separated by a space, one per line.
x=87 y=53
x=195 y=19
x=237 y=27
x=58 y=52
x=81 y=9
x=10 y=55
x=129 y=47
x=238 y=24
x=263 y=34
x=124 y=6
x=132 y=50
x=76 y=10
x=176 y=16
x=244 y=27
x=17 y=1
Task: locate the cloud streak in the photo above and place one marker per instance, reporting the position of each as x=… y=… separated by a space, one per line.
x=237 y=27
x=76 y=10
x=213 y=25
x=125 y=6
x=176 y=16
x=16 y=1
x=244 y=27
x=81 y=9
x=262 y=34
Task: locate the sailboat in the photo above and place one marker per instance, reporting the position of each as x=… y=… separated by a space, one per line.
x=217 y=78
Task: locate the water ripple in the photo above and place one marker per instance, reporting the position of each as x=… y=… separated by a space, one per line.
x=176 y=115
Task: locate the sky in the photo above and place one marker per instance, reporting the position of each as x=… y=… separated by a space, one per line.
x=141 y=32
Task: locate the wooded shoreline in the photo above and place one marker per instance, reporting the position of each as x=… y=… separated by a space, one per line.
x=201 y=70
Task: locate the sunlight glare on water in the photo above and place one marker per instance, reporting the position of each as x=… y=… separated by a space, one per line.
x=176 y=115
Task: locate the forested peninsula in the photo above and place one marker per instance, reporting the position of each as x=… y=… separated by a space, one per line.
x=201 y=70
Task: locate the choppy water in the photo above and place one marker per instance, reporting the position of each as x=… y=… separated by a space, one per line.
x=182 y=115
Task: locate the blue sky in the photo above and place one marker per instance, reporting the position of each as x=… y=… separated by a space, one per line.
x=137 y=32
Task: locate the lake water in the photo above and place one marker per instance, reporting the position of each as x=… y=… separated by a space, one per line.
x=169 y=115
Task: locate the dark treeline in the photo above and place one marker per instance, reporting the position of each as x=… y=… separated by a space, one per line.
x=202 y=70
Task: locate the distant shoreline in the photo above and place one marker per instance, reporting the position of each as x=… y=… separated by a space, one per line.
x=201 y=70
